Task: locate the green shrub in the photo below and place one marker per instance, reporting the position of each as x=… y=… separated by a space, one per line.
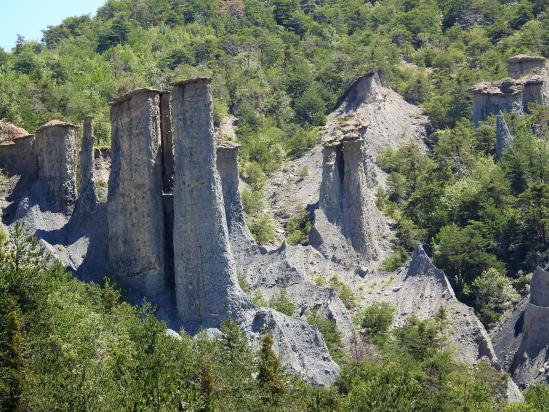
x=330 y=333
x=252 y=202
x=282 y=304
x=298 y=228
x=494 y=293
x=394 y=261
x=344 y=292
x=262 y=227
x=253 y=175
x=377 y=318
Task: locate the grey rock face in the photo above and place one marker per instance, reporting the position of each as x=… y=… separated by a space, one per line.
x=56 y=146
x=136 y=245
x=227 y=167
x=491 y=98
x=503 y=135
x=523 y=64
x=205 y=274
x=87 y=201
x=346 y=202
x=531 y=362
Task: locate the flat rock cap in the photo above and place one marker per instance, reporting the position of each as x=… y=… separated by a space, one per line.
x=10 y=132
x=127 y=96
x=55 y=123
x=193 y=80
x=525 y=58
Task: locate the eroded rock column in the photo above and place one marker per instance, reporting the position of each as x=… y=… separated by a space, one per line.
x=56 y=146
x=87 y=201
x=532 y=358
x=227 y=167
x=205 y=275
x=503 y=135
x=136 y=244
x=345 y=200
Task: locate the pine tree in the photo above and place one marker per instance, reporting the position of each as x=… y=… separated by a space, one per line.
x=270 y=376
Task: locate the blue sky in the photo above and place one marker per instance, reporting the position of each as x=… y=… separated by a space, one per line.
x=29 y=17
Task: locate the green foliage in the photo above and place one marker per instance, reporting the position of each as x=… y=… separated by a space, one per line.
x=67 y=345
x=281 y=303
x=376 y=319
x=394 y=261
x=344 y=292
x=473 y=213
x=298 y=228
x=494 y=294
x=263 y=228
x=330 y=333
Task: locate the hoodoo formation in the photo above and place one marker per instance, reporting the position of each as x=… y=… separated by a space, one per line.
x=173 y=228
x=503 y=135
x=87 y=201
x=529 y=84
x=205 y=273
x=56 y=146
x=136 y=237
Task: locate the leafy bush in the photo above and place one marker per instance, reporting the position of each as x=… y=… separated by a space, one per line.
x=494 y=293
x=376 y=319
x=344 y=292
x=282 y=304
x=394 y=261
x=298 y=228
x=262 y=227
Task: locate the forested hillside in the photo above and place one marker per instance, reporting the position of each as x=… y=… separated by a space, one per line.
x=66 y=345
x=278 y=68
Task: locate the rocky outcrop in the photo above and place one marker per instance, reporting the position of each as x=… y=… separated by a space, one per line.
x=87 y=201
x=524 y=64
x=17 y=155
x=370 y=117
x=347 y=203
x=56 y=147
x=491 y=98
x=529 y=84
x=205 y=274
x=503 y=135
x=167 y=143
x=531 y=361
x=227 y=167
x=136 y=242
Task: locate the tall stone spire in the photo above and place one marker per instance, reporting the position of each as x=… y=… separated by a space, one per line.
x=56 y=145
x=205 y=275
x=136 y=242
x=87 y=201
x=503 y=135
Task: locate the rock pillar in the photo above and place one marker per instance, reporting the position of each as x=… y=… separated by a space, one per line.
x=345 y=199
x=205 y=276
x=227 y=167
x=136 y=243
x=56 y=146
x=532 y=358
x=87 y=201
x=503 y=135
